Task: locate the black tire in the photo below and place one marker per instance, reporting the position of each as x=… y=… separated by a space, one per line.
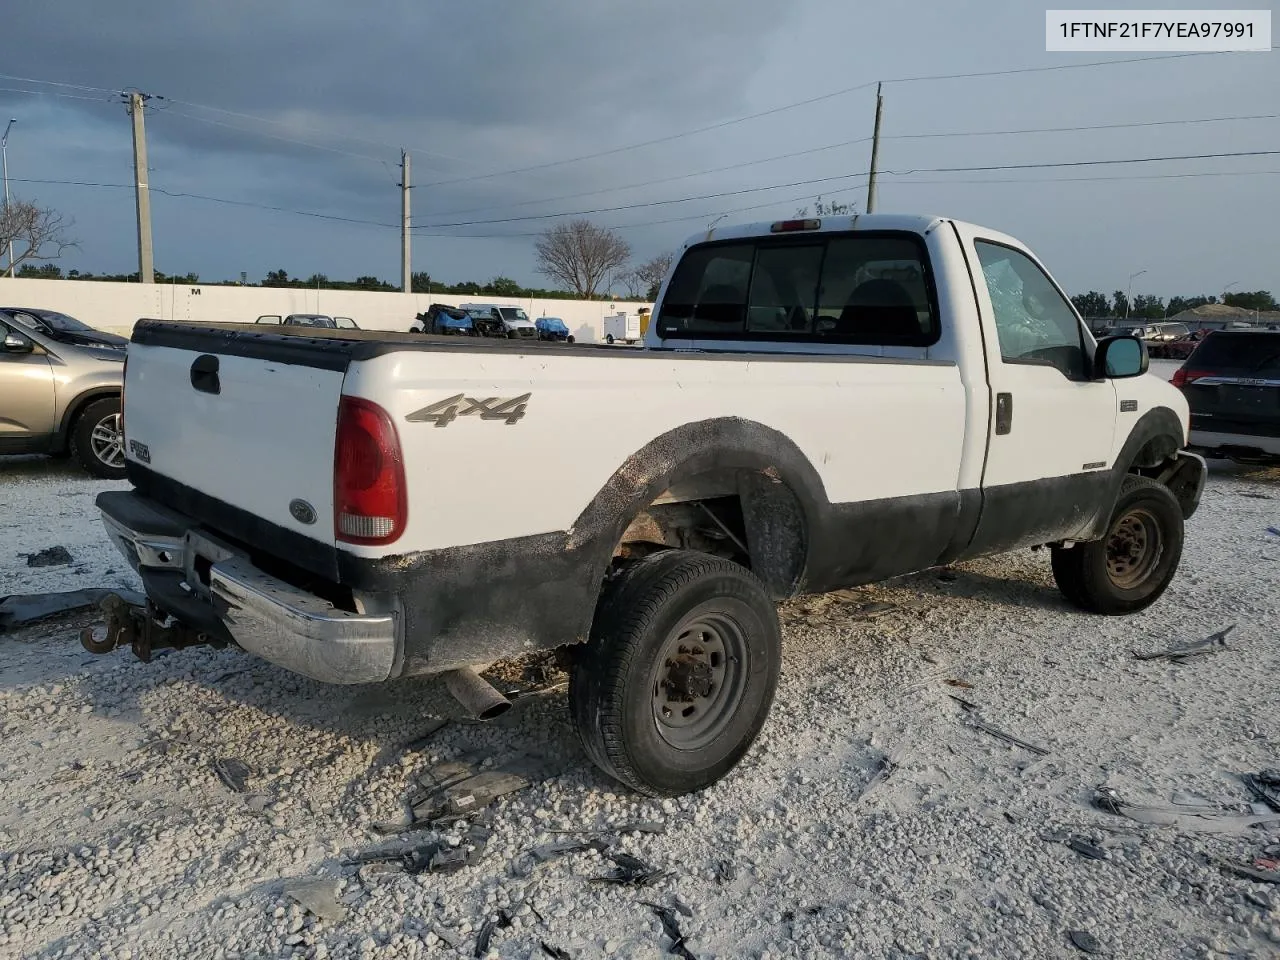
x=618 y=687
x=569 y=338
x=608 y=338
x=88 y=444
x=1131 y=566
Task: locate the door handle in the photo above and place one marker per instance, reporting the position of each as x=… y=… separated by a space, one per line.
x=1004 y=413
x=204 y=374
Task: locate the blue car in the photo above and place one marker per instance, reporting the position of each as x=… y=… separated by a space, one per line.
x=553 y=328
x=442 y=319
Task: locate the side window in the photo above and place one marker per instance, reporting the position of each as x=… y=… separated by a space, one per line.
x=1034 y=322
x=708 y=293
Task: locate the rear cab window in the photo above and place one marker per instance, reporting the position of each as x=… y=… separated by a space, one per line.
x=1246 y=355
x=872 y=288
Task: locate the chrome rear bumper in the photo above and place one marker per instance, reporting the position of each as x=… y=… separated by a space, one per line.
x=263 y=614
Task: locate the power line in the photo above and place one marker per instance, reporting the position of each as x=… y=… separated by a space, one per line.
x=849 y=143
x=274 y=136
x=811 y=100
x=1145 y=176
x=267 y=206
x=55 y=93
x=817 y=180
x=1083 y=163
x=55 y=83
x=72 y=183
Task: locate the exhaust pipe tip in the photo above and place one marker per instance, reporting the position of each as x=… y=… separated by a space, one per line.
x=477 y=695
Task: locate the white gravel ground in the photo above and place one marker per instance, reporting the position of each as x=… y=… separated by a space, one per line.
x=118 y=840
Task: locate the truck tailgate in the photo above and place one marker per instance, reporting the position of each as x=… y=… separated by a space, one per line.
x=256 y=434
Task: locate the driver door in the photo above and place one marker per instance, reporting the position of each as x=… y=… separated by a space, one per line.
x=1049 y=434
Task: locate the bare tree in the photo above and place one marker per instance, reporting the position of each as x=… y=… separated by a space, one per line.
x=37 y=233
x=651 y=273
x=581 y=255
x=633 y=283
x=831 y=209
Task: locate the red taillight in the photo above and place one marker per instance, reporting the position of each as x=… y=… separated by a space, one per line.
x=370 y=503
x=1182 y=376
x=791 y=226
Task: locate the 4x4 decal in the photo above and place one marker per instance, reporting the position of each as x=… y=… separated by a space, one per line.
x=444 y=412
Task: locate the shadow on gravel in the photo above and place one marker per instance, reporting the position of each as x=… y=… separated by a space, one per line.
x=33 y=467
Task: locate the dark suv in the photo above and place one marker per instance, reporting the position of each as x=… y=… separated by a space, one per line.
x=1232 y=384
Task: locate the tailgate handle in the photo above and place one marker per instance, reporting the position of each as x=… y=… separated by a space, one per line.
x=204 y=374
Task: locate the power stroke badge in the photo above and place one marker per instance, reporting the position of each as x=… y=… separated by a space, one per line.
x=510 y=410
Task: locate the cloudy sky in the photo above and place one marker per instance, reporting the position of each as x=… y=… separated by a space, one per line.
x=305 y=105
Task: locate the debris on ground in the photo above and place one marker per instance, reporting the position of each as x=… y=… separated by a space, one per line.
x=884 y=770
x=525 y=866
x=1265 y=785
x=1180 y=654
x=978 y=723
x=671 y=927
x=958 y=683
x=431 y=856
x=24 y=608
x=1204 y=818
x=631 y=871
x=483 y=938
x=423 y=738
x=556 y=952
x=318 y=897
x=1085 y=941
x=1086 y=849
x=1249 y=871
x=50 y=557
x=233 y=773
x=726 y=872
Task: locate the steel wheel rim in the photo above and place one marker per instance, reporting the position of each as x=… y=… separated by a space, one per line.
x=699 y=680
x=1133 y=548
x=107 y=441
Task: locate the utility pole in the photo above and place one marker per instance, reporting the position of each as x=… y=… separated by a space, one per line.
x=406 y=264
x=4 y=152
x=875 y=154
x=146 y=268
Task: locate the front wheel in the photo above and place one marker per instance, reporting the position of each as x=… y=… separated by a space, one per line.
x=679 y=674
x=97 y=440
x=1131 y=566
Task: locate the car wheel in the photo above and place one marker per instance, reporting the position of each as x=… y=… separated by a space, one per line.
x=1131 y=566
x=608 y=338
x=569 y=339
x=678 y=676
x=97 y=440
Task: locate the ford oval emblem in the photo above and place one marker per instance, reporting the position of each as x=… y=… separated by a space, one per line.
x=302 y=511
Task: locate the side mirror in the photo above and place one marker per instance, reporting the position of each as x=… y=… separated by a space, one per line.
x=17 y=344
x=1120 y=357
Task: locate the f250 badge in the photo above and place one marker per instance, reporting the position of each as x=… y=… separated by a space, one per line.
x=444 y=412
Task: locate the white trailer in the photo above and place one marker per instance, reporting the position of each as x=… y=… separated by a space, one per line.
x=622 y=326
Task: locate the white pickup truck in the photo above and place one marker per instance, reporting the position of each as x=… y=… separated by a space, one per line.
x=820 y=404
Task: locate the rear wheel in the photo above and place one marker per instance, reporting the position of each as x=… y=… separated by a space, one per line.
x=97 y=439
x=678 y=677
x=608 y=338
x=1131 y=566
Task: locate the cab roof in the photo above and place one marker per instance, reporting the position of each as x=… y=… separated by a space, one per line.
x=913 y=223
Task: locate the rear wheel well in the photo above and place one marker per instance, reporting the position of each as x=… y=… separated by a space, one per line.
x=749 y=517
x=62 y=443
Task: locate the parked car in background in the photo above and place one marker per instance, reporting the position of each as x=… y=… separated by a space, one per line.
x=310 y=320
x=60 y=384
x=554 y=329
x=622 y=326
x=63 y=328
x=511 y=322
x=1232 y=385
x=441 y=319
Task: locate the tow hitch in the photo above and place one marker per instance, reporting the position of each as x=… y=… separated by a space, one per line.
x=143 y=630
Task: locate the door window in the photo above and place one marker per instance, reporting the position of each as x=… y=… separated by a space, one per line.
x=1034 y=322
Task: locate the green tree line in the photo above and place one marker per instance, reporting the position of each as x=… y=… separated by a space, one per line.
x=1150 y=307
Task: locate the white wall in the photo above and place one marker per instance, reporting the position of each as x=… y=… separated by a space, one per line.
x=115 y=307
